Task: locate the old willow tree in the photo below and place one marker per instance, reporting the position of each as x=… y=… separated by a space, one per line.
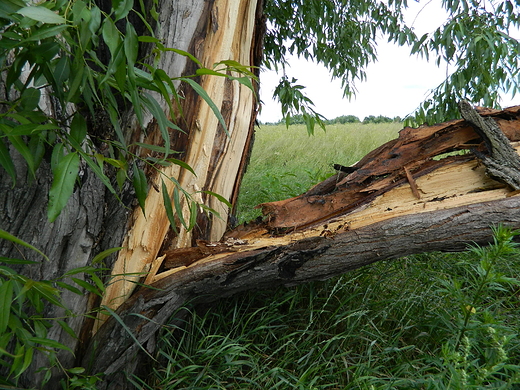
x=125 y=129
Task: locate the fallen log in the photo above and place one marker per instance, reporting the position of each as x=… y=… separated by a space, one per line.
x=408 y=196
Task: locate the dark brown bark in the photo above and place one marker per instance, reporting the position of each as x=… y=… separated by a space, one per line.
x=316 y=258
x=503 y=163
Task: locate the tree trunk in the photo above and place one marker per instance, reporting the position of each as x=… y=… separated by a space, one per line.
x=94 y=220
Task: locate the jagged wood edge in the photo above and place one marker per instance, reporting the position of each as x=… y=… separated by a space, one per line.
x=503 y=163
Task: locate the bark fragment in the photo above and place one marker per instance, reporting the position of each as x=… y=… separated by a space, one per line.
x=503 y=163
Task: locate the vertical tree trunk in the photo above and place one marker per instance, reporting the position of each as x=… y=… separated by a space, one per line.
x=94 y=220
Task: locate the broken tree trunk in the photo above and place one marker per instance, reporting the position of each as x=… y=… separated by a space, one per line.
x=408 y=196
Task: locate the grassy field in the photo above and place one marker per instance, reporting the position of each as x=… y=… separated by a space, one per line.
x=430 y=321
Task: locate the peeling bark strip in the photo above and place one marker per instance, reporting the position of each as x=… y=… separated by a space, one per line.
x=372 y=214
x=503 y=163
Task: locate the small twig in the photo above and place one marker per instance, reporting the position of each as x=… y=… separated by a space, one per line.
x=503 y=163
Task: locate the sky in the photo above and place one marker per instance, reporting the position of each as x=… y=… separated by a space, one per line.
x=396 y=84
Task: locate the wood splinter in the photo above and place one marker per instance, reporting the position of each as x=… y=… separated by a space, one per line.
x=503 y=163
x=413 y=184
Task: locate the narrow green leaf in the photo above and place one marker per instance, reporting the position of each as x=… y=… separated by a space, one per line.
x=158 y=113
x=49 y=343
x=77 y=79
x=47 y=31
x=101 y=256
x=67 y=329
x=155 y=148
x=204 y=95
x=98 y=171
x=110 y=35
x=185 y=54
x=193 y=215
x=48 y=292
x=28 y=129
x=21 y=146
x=246 y=81
x=6 y=297
x=27 y=360
x=140 y=186
x=181 y=164
x=219 y=197
x=127 y=329
x=6 y=162
x=7 y=260
x=97 y=281
x=67 y=286
x=18 y=360
x=131 y=45
x=168 y=206
x=79 y=270
x=87 y=286
x=41 y=14
x=30 y=98
x=62 y=187
x=211 y=72
x=147 y=38
x=78 y=129
x=7 y=236
x=121 y=8
x=178 y=207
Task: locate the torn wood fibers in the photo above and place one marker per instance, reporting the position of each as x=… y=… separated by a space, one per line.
x=213 y=153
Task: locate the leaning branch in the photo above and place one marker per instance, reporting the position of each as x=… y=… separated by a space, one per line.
x=405 y=197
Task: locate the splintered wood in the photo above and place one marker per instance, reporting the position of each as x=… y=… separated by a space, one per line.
x=408 y=196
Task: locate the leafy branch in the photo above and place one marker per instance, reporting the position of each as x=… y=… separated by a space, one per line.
x=73 y=70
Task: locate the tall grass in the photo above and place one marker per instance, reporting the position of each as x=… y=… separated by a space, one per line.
x=430 y=321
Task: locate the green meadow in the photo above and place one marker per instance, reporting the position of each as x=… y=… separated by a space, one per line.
x=429 y=321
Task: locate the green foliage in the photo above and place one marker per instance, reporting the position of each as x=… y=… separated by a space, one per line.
x=88 y=60
x=344 y=119
x=294 y=101
x=392 y=325
x=474 y=44
x=377 y=119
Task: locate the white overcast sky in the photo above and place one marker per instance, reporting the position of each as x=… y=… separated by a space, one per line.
x=396 y=84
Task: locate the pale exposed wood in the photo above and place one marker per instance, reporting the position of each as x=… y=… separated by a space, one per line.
x=293 y=262
x=228 y=37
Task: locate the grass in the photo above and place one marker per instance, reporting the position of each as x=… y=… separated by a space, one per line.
x=430 y=321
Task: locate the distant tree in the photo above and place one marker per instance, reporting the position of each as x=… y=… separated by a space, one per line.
x=345 y=119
